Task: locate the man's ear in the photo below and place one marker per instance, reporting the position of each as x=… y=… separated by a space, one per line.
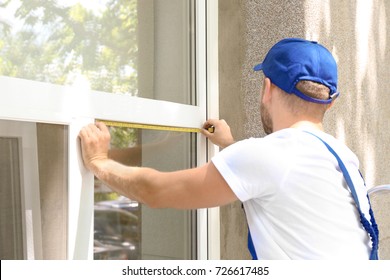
x=266 y=97
x=331 y=104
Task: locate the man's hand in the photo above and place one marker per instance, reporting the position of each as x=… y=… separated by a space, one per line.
x=221 y=136
x=95 y=141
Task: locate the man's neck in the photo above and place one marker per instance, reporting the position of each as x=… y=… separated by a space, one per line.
x=308 y=125
x=302 y=124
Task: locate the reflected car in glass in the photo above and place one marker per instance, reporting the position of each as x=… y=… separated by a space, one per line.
x=116 y=230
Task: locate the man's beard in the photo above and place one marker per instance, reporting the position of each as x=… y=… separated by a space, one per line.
x=266 y=119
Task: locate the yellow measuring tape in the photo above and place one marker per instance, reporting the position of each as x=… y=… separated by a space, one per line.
x=154 y=127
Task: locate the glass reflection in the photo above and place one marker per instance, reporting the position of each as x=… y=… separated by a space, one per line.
x=141 y=48
x=60 y=41
x=11 y=233
x=125 y=229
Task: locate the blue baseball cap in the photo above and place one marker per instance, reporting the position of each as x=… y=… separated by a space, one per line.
x=292 y=60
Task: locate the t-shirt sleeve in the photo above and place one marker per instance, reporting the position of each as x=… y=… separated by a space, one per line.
x=251 y=168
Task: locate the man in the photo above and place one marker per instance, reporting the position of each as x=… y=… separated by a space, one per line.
x=297 y=203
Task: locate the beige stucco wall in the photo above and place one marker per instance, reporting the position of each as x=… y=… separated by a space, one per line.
x=53 y=184
x=358 y=35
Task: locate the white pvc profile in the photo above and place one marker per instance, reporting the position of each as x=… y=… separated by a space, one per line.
x=40 y=102
x=214 y=234
x=201 y=86
x=80 y=197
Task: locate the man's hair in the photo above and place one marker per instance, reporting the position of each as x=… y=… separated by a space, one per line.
x=299 y=106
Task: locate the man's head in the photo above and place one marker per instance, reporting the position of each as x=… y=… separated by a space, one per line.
x=305 y=72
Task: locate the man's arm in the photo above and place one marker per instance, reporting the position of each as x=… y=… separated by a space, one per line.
x=186 y=189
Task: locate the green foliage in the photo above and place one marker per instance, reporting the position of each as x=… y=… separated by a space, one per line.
x=122 y=137
x=53 y=43
x=103 y=196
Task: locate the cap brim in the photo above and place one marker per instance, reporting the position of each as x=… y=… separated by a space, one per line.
x=258 y=67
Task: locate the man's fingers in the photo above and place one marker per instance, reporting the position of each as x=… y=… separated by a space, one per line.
x=95 y=140
x=102 y=126
x=205 y=132
x=94 y=132
x=85 y=132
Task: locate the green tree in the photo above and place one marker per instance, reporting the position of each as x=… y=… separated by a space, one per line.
x=54 y=43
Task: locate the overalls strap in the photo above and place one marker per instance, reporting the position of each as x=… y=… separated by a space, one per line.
x=371 y=228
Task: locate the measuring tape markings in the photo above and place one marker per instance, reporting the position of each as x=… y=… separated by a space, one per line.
x=154 y=127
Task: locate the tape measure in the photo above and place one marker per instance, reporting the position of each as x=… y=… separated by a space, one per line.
x=154 y=127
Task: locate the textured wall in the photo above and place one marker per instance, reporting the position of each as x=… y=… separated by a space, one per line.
x=232 y=49
x=52 y=150
x=356 y=32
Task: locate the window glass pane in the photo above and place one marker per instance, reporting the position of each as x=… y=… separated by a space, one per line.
x=11 y=231
x=141 y=48
x=33 y=190
x=125 y=229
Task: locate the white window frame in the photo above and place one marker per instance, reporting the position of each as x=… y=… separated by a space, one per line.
x=212 y=107
x=31 y=101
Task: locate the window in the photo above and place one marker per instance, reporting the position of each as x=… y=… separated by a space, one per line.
x=65 y=64
x=141 y=48
x=125 y=229
x=11 y=232
x=33 y=190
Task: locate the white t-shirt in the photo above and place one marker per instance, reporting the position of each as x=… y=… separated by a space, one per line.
x=297 y=203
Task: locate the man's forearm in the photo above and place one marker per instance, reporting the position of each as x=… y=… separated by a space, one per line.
x=121 y=178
